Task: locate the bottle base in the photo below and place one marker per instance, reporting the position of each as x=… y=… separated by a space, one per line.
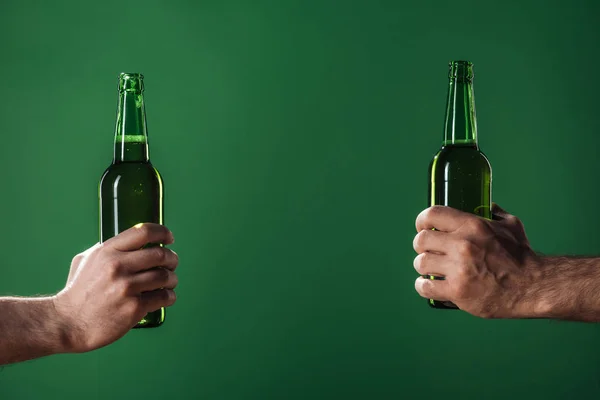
x=152 y=320
x=442 y=305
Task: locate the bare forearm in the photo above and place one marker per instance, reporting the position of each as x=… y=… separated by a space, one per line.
x=30 y=328
x=568 y=289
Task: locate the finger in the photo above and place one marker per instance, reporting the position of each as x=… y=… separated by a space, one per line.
x=442 y=218
x=432 y=289
x=498 y=212
x=154 y=300
x=152 y=279
x=140 y=235
x=139 y=260
x=435 y=241
x=497 y=209
x=432 y=264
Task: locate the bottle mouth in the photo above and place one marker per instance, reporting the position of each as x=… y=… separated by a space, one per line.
x=461 y=70
x=131 y=82
x=462 y=62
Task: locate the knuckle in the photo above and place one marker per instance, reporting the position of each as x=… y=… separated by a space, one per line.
x=175 y=258
x=167 y=297
x=477 y=225
x=466 y=249
x=419 y=263
x=163 y=275
x=172 y=297
x=436 y=210
x=422 y=286
x=515 y=222
x=145 y=229
x=127 y=284
x=158 y=254
x=76 y=261
x=419 y=241
x=123 y=287
x=174 y=279
x=511 y=218
x=113 y=265
x=162 y=295
x=433 y=212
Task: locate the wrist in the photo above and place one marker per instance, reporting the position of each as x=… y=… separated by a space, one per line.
x=536 y=300
x=64 y=328
x=542 y=304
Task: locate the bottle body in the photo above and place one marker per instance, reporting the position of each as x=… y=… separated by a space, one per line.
x=130 y=193
x=460 y=176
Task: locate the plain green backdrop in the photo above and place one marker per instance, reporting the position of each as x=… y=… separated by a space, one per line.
x=294 y=138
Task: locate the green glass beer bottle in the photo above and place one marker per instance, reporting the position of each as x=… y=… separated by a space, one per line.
x=131 y=189
x=460 y=175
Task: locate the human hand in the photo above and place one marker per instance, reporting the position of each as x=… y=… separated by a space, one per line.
x=113 y=285
x=488 y=265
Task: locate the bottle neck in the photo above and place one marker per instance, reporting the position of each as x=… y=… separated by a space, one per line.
x=131 y=137
x=461 y=123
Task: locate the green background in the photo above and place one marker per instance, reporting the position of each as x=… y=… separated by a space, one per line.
x=294 y=138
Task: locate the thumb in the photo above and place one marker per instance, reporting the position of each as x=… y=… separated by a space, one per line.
x=498 y=213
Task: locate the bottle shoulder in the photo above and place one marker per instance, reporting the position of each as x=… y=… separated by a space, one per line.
x=457 y=155
x=131 y=171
